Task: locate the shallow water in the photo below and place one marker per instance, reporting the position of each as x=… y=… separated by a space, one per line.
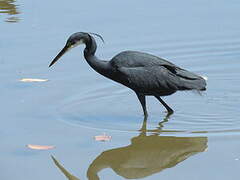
x=199 y=141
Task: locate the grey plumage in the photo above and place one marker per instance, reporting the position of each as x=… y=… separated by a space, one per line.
x=144 y=73
x=152 y=75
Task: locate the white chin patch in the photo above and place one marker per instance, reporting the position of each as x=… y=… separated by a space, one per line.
x=76 y=44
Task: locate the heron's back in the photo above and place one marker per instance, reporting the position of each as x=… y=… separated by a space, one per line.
x=152 y=75
x=138 y=59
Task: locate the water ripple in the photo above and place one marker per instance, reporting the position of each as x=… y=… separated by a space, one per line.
x=112 y=107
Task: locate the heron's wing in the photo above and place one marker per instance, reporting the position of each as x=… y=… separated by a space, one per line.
x=145 y=70
x=134 y=59
x=150 y=78
x=161 y=78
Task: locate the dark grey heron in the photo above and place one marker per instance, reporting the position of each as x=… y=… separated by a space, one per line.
x=145 y=74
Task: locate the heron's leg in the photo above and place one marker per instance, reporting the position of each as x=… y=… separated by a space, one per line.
x=170 y=111
x=142 y=100
x=143 y=129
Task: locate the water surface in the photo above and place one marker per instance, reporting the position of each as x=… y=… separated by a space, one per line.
x=199 y=141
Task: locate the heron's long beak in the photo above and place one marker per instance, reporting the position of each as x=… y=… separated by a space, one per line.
x=65 y=49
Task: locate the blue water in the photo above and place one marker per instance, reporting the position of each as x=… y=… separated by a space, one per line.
x=77 y=104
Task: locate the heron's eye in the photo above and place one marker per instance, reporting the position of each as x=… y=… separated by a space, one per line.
x=74 y=42
x=78 y=41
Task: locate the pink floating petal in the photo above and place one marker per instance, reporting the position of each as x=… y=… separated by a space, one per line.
x=39 y=147
x=103 y=137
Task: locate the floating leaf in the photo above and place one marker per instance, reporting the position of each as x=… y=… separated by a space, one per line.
x=103 y=137
x=33 y=80
x=40 y=147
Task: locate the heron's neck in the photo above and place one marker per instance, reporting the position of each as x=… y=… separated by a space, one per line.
x=100 y=66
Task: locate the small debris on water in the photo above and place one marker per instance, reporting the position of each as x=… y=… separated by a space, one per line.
x=33 y=80
x=103 y=137
x=40 y=147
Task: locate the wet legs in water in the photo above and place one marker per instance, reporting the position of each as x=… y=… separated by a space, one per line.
x=158 y=130
x=142 y=100
x=170 y=111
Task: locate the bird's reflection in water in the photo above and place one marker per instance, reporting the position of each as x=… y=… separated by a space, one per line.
x=68 y=175
x=9 y=7
x=147 y=154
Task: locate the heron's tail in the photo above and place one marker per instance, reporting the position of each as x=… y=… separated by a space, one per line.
x=191 y=81
x=198 y=84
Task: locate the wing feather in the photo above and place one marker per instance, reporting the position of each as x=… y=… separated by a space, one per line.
x=150 y=79
x=150 y=73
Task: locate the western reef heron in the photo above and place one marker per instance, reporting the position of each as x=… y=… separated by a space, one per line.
x=145 y=74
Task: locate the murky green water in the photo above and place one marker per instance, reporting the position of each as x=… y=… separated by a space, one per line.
x=199 y=141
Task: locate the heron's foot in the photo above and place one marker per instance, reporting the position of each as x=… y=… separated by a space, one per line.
x=143 y=129
x=169 y=113
x=170 y=110
x=145 y=116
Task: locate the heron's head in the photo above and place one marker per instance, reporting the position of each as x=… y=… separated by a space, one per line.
x=73 y=41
